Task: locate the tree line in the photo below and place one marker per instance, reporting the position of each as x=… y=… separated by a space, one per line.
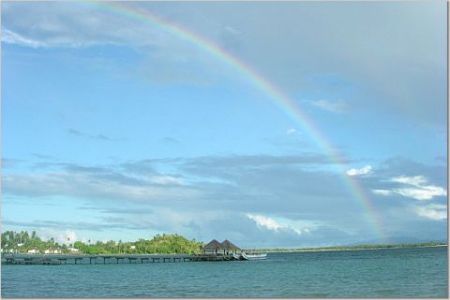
x=22 y=242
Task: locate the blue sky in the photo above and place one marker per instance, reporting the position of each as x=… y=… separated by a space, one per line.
x=114 y=128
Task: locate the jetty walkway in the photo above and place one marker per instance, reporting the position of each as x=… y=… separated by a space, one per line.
x=58 y=259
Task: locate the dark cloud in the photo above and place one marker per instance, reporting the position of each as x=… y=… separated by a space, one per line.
x=170 y=141
x=398 y=166
x=99 y=137
x=208 y=197
x=8 y=163
x=245 y=233
x=104 y=224
x=243 y=161
x=43 y=156
x=400 y=69
x=233 y=183
x=118 y=210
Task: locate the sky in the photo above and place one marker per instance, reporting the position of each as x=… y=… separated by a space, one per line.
x=122 y=121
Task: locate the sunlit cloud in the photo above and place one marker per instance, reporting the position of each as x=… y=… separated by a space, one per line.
x=382 y=192
x=281 y=224
x=362 y=171
x=10 y=37
x=411 y=180
x=265 y=222
x=415 y=187
x=435 y=212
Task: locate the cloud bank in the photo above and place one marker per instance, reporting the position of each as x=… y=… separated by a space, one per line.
x=415 y=187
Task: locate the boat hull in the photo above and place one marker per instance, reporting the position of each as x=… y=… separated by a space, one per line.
x=237 y=256
x=254 y=256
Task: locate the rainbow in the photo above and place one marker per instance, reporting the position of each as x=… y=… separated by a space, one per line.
x=279 y=98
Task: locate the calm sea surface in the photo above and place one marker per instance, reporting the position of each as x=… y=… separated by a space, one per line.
x=375 y=273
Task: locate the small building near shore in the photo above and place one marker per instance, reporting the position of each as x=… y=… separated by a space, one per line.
x=225 y=248
x=52 y=251
x=74 y=250
x=212 y=247
x=228 y=247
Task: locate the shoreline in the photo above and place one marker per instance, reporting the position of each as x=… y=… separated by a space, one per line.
x=361 y=247
x=350 y=248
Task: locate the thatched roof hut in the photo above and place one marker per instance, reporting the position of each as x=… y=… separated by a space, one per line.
x=229 y=246
x=212 y=246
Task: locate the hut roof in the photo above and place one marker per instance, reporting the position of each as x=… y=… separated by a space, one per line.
x=229 y=245
x=213 y=245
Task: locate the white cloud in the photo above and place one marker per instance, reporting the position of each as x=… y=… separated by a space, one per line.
x=415 y=187
x=68 y=25
x=61 y=237
x=362 y=171
x=282 y=224
x=291 y=131
x=265 y=222
x=87 y=185
x=382 y=192
x=419 y=190
x=412 y=180
x=433 y=211
x=166 y=180
x=337 y=106
x=422 y=193
x=70 y=236
x=10 y=37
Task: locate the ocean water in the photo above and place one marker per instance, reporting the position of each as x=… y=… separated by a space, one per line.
x=373 y=273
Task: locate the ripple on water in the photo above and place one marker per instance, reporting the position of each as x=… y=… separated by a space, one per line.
x=382 y=273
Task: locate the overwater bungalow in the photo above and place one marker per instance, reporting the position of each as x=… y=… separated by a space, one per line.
x=212 y=247
x=225 y=248
x=229 y=248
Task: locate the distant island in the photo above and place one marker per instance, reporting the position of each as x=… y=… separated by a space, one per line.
x=31 y=243
x=357 y=247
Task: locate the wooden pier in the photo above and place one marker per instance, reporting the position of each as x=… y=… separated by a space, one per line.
x=78 y=259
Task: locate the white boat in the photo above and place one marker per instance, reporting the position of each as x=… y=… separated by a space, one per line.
x=237 y=256
x=260 y=256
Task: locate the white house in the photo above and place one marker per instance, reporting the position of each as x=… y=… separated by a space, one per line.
x=33 y=251
x=52 y=251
